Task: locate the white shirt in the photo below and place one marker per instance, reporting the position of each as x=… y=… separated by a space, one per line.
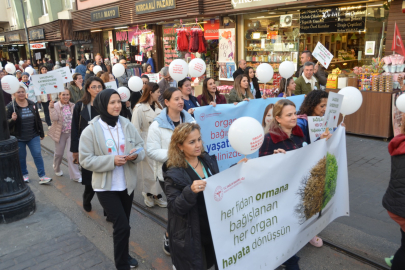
x=118 y=177
x=312 y=81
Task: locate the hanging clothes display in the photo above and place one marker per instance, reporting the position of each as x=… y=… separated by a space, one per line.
x=182 y=40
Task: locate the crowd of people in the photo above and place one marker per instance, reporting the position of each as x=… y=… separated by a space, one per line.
x=155 y=139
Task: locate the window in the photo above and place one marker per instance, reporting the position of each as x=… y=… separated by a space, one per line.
x=69 y=4
x=44 y=7
x=8 y=3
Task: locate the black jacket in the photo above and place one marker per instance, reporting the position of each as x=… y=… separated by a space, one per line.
x=183 y=222
x=134 y=98
x=15 y=126
x=257 y=87
x=394 y=198
x=88 y=75
x=80 y=120
x=282 y=141
x=237 y=72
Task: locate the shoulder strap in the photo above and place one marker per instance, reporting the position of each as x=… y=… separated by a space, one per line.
x=80 y=119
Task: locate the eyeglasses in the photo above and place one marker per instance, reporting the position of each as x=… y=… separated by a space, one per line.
x=94 y=87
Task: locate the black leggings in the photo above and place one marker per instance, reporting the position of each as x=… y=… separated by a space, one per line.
x=399 y=258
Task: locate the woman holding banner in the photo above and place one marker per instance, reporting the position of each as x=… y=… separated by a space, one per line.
x=25 y=124
x=159 y=136
x=76 y=88
x=394 y=197
x=240 y=91
x=147 y=109
x=210 y=94
x=284 y=135
x=83 y=112
x=190 y=101
x=267 y=118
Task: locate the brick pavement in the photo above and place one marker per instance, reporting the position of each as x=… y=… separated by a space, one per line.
x=48 y=240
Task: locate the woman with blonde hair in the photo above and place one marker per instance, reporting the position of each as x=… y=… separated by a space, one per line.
x=147 y=109
x=241 y=91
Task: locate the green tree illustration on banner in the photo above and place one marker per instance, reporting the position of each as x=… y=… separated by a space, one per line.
x=317 y=188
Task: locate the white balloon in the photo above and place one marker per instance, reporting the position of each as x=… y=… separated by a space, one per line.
x=124 y=93
x=10 y=68
x=196 y=67
x=400 y=103
x=135 y=84
x=29 y=70
x=246 y=135
x=264 y=72
x=178 y=69
x=286 y=69
x=118 y=70
x=96 y=69
x=352 y=100
x=10 y=84
x=21 y=63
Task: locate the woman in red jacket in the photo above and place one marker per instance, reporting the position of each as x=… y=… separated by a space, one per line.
x=210 y=94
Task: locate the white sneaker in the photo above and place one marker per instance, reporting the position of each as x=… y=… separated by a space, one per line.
x=148 y=200
x=78 y=180
x=59 y=173
x=44 y=180
x=26 y=178
x=160 y=201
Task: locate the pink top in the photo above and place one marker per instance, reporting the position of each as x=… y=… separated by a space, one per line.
x=67 y=119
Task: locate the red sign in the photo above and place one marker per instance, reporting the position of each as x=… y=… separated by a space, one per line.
x=397 y=44
x=211 y=29
x=38 y=46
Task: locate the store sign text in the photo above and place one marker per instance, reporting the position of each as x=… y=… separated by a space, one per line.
x=37 y=34
x=335 y=19
x=37 y=46
x=105 y=14
x=14 y=37
x=237 y=4
x=148 y=6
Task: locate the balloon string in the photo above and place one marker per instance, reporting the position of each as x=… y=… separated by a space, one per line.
x=343 y=118
x=13 y=105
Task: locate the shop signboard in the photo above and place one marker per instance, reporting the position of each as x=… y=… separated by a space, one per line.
x=14 y=37
x=211 y=29
x=238 y=4
x=333 y=19
x=37 y=46
x=13 y=49
x=37 y=34
x=148 y=6
x=105 y=14
x=2 y=38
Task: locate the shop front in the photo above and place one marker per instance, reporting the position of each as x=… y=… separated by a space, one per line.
x=12 y=46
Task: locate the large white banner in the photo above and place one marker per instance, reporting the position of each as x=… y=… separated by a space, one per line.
x=264 y=211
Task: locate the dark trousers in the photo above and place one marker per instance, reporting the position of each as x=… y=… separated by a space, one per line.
x=45 y=106
x=292 y=263
x=88 y=195
x=399 y=258
x=117 y=205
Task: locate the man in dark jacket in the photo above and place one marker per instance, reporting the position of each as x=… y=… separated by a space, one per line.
x=99 y=62
x=241 y=68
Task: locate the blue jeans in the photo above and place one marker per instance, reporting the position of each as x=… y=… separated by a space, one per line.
x=35 y=148
x=292 y=263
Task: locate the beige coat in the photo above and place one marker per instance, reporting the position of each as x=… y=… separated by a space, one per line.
x=142 y=118
x=57 y=118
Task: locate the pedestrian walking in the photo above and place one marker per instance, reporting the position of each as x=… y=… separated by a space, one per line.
x=190 y=101
x=83 y=112
x=160 y=133
x=45 y=99
x=394 y=198
x=25 y=124
x=147 y=109
x=60 y=131
x=29 y=88
x=284 y=135
x=165 y=83
x=240 y=91
x=76 y=88
x=106 y=148
x=210 y=94
x=89 y=72
x=253 y=82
